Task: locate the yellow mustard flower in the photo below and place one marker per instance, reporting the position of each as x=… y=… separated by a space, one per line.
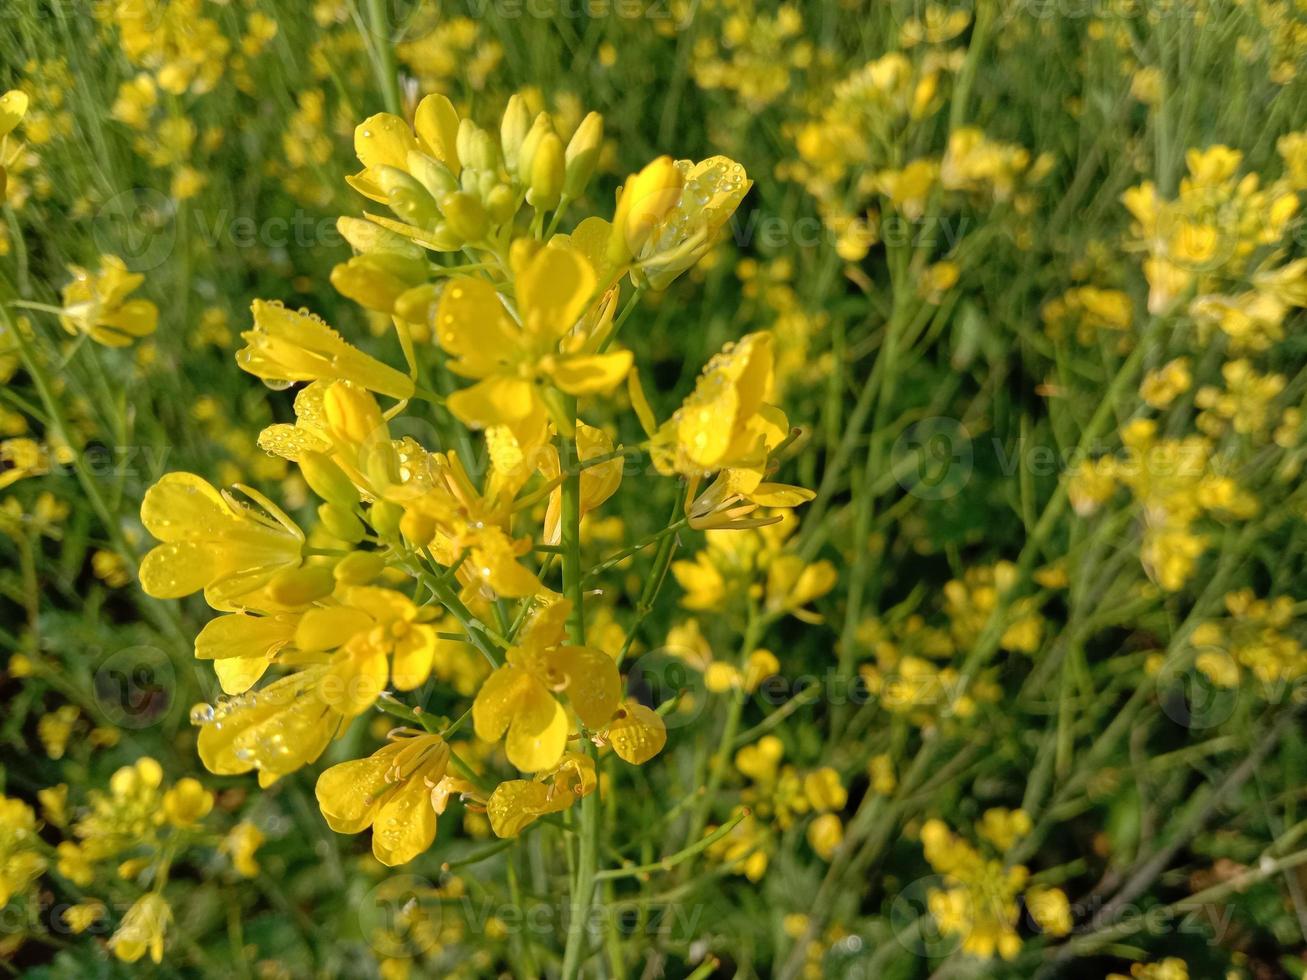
x=96 y=304
x=187 y=803
x=287 y=345
x=398 y=791
x=275 y=730
x=518 y=355
x=517 y=803
x=142 y=929
x=518 y=698
x=241 y=843
x=213 y=542
x=378 y=634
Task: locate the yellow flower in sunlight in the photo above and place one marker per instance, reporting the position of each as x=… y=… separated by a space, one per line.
x=213 y=542
x=726 y=421
x=380 y=634
x=276 y=729
x=242 y=646
x=598 y=482
x=1050 y=909
x=13 y=106
x=288 y=345
x=512 y=357
x=83 y=915
x=670 y=214
x=517 y=803
x=636 y=732
x=792 y=583
x=142 y=929
x=398 y=791
x=518 y=698
x=96 y=304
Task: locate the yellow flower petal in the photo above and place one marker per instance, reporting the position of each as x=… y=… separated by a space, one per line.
x=553 y=290
x=349 y=794
x=414 y=654
x=588 y=374
x=497 y=400
x=405 y=825
x=637 y=733
x=591 y=680
x=383 y=140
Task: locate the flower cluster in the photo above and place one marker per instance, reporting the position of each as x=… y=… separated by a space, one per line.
x=980 y=900
x=416 y=550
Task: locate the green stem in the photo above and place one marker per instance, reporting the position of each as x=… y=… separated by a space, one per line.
x=583 y=885
x=680 y=857
x=383 y=60
x=752 y=632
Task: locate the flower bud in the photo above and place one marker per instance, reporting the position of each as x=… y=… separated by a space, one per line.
x=501 y=204
x=583 y=154
x=352 y=414
x=416 y=305
x=341 y=523
x=513 y=129
x=300 y=586
x=477 y=148
x=328 y=480
x=375 y=281
x=368 y=236
x=465 y=216
x=547 y=173
x=359 y=567
x=384 y=516
x=438 y=179
x=407 y=197
x=543 y=124
x=646 y=198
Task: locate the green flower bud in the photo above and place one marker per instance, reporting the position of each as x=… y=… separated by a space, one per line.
x=526 y=156
x=384 y=517
x=407 y=197
x=300 y=586
x=368 y=236
x=438 y=179
x=341 y=523
x=513 y=129
x=359 y=567
x=582 y=155
x=465 y=216
x=548 y=169
x=501 y=204
x=328 y=480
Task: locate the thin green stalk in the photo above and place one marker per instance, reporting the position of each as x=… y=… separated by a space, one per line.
x=717 y=771
x=383 y=56
x=583 y=885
